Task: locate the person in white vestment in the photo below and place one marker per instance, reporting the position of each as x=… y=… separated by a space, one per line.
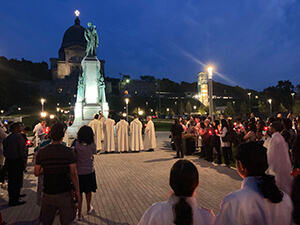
x=97 y=128
x=279 y=161
x=122 y=132
x=40 y=132
x=149 y=138
x=259 y=201
x=102 y=120
x=109 y=135
x=136 y=142
x=181 y=208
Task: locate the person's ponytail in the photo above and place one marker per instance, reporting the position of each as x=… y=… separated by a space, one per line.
x=269 y=189
x=183 y=212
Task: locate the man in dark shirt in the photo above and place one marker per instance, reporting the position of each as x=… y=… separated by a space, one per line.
x=57 y=163
x=14 y=152
x=176 y=135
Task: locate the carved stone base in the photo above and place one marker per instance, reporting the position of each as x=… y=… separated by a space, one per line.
x=84 y=115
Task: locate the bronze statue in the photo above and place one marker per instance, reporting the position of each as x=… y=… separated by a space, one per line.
x=91 y=36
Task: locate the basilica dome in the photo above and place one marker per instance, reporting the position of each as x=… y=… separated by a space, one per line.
x=73 y=36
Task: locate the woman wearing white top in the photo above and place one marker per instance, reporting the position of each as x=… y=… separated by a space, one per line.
x=181 y=208
x=225 y=145
x=259 y=201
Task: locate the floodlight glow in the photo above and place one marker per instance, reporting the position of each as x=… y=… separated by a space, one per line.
x=127 y=80
x=124 y=114
x=210 y=70
x=52 y=116
x=126 y=100
x=141 y=112
x=19 y=109
x=57 y=109
x=43 y=101
x=43 y=114
x=168 y=109
x=77 y=13
x=270 y=101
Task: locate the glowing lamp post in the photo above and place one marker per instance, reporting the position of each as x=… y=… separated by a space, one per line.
x=43 y=102
x=210 y=89
x=249 y=94
x=293 y=98
x=126 y=101
x=43 y=114
x=270 y=102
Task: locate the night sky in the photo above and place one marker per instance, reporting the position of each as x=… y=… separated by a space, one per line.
x=251 y=43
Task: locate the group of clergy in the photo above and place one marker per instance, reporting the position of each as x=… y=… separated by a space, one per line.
x=129 y=137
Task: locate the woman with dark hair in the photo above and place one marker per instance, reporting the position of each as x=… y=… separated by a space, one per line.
x=181 y=208
x=225 y=144
x=250 y=133
x=259 y=201
x=85 y=148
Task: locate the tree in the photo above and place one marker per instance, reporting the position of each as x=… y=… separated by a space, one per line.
x=203 y=109
x=244 y=109
x=296 y=108
x=181 y=110
x=229 y=110
x=189 y=107
x=263 y=107
x=148 y=78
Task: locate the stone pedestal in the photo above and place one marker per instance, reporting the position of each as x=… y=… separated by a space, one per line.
x=90 y=98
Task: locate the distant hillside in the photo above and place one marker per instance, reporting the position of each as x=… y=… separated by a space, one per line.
x=20 y=80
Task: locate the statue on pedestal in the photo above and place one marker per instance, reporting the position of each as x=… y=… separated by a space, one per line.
x=91 y=86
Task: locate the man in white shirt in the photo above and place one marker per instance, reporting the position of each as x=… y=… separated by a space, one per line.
x=40 y=132
x=97 y=127
x=122 y=132
x=109 y=140
x=150 y=139
x=278 y=158
x=136 y=142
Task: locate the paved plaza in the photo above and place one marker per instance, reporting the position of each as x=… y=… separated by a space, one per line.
x=128 y=184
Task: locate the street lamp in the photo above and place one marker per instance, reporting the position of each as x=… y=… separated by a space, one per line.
x=126 y=101
x=249 y=94
x=293 y=98
x=43 y=114
x=270 y=102
x=210 y=89
x=42 y=102
x=195 y=107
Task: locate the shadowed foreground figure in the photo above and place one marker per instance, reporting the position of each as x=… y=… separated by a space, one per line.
x=181 y=208
x=259 y=201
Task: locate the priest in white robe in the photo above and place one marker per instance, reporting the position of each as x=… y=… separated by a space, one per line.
x=136 y=142
x=97 y=128
x=279 y=161
x=109 y=135
x=102 y=120
x=149 y=138
x=122 y=132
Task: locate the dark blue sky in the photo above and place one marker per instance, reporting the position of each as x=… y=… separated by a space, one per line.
x=251 y=43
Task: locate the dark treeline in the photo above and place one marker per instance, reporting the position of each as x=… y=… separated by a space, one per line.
x=20 y=81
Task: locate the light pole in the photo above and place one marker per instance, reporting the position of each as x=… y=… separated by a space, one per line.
x=42 y=102
x=293 y=98
x=270 y=102
x=127 y=100
x=210 y=89
x=249 y=94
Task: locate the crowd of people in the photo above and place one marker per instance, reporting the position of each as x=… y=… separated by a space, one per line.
x=267 y=157
x=279 y=137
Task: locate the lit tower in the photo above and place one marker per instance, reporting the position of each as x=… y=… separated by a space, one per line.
x=203 y=88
